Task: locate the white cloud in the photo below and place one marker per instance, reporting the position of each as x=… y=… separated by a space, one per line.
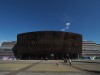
x=62 y=29
x=67 y=27
x=64 y=19
x=68 y=24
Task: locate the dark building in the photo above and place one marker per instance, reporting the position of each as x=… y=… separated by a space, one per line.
x=48 y=45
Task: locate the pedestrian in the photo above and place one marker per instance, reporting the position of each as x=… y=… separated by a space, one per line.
x=57 y=63
x=65 y=60
x=70 y=62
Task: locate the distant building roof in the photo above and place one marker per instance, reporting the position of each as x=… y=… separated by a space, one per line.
x=7 y=45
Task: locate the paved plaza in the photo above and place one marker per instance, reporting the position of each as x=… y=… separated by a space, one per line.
x=49 y=67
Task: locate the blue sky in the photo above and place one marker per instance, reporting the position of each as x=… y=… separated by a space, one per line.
x=78 y=16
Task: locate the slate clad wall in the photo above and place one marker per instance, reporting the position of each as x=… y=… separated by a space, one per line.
x=42 y=44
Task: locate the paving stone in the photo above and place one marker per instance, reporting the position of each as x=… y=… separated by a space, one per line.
x=49 y=67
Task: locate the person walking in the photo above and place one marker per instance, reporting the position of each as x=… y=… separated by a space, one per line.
x=70 y=62
x=65 y=60
x=57 y=63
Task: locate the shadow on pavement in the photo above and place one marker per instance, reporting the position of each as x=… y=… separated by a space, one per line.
x=87 y=62
x=93 y=71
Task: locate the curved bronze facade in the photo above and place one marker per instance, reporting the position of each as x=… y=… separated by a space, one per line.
x=48 y=45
